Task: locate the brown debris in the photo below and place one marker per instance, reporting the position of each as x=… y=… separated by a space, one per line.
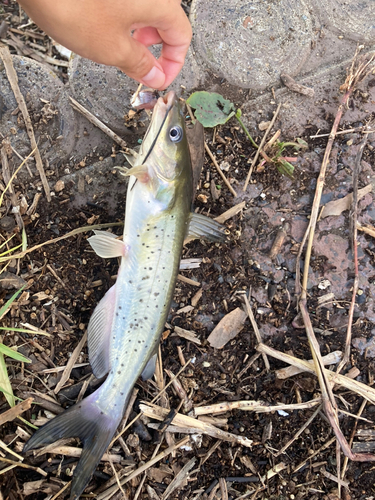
x=227 y=329
x=289 y=82
x=14 y=412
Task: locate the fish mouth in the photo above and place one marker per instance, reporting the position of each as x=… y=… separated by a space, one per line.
x=165 y=103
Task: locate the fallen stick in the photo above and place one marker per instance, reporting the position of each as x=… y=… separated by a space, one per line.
x=353 y=231
x=13 y=81
x=289 y=82
x=330 y=359
x=259 y=150
x=69 y=366
x=219 y=170
x=159 y=413
x=334 y=378
x=15 y=411
x=256 y=406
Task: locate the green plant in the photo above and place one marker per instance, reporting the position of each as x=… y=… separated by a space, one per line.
x=211 y=109
x=5 y=385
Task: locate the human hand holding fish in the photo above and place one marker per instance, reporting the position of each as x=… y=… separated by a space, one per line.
x=119 y=32
x=125 y=328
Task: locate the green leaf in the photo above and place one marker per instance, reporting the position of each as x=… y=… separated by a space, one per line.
x=302 y=144
x=24 y=240
x=211 y=109
x=5 y=385
x=9 y=302
x=285 y=168
x=11 y=353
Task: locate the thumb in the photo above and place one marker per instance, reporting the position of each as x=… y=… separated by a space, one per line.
x=138 y=63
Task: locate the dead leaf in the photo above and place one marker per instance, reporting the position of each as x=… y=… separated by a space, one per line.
x=10 y=281
x=336 y=207
x=228 y=328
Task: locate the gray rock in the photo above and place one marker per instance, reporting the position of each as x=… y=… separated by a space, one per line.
x=54 y=123
x=250 y=43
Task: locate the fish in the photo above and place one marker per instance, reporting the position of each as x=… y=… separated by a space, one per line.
x=125 y=328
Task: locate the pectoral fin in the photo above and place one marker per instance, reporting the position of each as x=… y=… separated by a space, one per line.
x=132 y=158
x=140 y=172
x=106 y=245
x=201 y=226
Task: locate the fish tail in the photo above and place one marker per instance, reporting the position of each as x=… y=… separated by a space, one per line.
x=94 y=427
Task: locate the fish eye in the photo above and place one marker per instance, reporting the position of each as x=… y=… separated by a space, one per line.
x=175 y=134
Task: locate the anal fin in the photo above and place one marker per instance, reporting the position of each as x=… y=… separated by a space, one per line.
x=99 y=333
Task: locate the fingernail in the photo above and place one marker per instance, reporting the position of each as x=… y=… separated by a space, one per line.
x=154 y=78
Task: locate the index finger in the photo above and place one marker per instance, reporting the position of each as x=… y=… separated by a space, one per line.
x=175 y=44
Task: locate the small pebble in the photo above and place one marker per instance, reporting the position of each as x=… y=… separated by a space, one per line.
x=59 y=186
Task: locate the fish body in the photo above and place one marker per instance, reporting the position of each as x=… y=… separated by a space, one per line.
x=125 y=328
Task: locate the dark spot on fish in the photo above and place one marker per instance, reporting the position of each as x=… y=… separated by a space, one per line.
x=116 y=314
x=101 y=413
x=120 y=306
x=156 y=294
x=123 y=317
x=131 y=325
x=121 y=393
x=150 y=268
x=119 y=372
x=140 y=300
x=80 y=406
x=148 y=246
x=135 y=350
x=156 y=236
x=146 y=278
x=138 y=235
x=146 y=317
x=122 y=364
x=143 y=244
x=139 y=341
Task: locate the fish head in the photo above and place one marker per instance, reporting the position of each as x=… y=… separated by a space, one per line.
x=165 y=148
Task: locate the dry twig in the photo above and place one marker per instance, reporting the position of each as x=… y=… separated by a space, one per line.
x=353 y=234
x=95 y=121
x=221 y=173
x=259 y=150
x=358 y=71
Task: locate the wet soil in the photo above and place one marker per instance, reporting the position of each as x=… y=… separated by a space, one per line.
x=65 y=280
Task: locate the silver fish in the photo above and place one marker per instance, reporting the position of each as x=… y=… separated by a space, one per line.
x=125 y=327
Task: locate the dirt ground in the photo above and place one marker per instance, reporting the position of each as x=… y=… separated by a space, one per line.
x=65 y=280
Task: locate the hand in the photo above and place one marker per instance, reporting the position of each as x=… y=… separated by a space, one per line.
x=100 y=30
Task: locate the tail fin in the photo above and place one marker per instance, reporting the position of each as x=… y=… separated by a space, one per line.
x=94 y=428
